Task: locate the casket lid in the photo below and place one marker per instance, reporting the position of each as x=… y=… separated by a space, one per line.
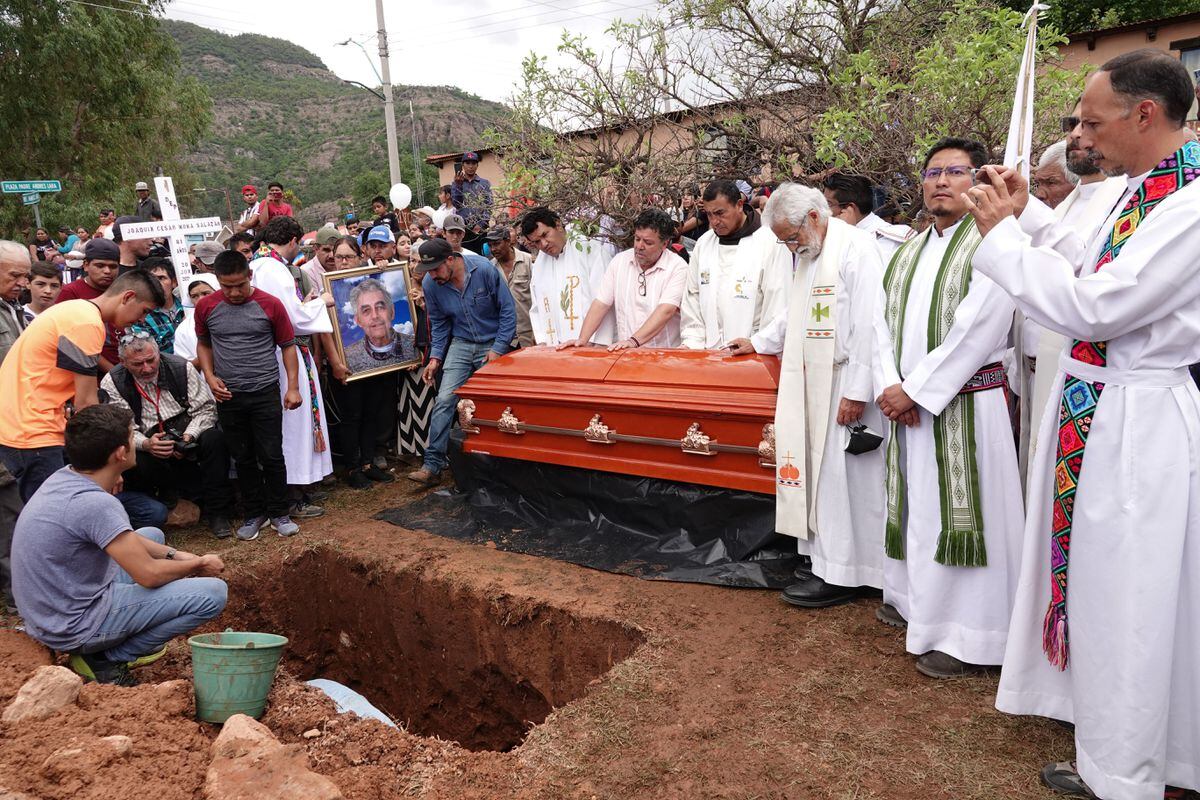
x=714 y=369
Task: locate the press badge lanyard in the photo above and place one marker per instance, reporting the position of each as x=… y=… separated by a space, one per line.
x=152 y=401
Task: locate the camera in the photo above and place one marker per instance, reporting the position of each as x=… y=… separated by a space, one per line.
x=176 y=438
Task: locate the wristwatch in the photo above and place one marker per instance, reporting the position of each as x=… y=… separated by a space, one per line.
x=170 y=556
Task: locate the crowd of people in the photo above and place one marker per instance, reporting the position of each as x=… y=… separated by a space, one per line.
x=938 y=389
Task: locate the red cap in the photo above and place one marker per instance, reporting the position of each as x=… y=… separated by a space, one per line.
x=249 y=188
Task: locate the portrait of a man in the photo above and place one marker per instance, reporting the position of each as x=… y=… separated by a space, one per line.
x=374 y=319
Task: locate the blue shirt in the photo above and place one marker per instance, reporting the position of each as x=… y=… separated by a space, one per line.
x=474 y=201
x=482 y=312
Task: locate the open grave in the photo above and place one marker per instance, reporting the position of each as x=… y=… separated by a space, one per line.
x=441 y=659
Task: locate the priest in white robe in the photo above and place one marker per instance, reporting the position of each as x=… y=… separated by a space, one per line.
x=1082 y=210
x=954 y=496
x=305 y=430
x=564 y=280
x=830 y=499
x=1106 y=627
x=851 y=199
x=739 y=274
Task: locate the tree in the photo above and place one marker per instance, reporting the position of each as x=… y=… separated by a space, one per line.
x=759 y=89
x=93 y=97
x=1078 y=16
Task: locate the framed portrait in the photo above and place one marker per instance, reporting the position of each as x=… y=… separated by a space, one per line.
x=374 y=321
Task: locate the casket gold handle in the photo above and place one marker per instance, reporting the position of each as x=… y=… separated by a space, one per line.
x=695 y=442
x=598 y=433
x=766 y=448
x=466 y=416
x=508 y=423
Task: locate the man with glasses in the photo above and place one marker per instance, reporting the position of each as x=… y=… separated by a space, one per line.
x=1106 y=628
x=175 y=429
x=954 y=506
x=565 y=278
x=643 y=287
x=737 y=277
x=828 y=494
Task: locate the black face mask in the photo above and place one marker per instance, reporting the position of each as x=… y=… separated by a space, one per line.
x=862 y=440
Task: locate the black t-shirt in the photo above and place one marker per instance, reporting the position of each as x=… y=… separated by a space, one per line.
x=390 y=220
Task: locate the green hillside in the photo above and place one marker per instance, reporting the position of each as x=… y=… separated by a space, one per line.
x=280 y=114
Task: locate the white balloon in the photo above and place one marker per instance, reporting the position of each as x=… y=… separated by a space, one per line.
x=401 y=195
x=439 y=218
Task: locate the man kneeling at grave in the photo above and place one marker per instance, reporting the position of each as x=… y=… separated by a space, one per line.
x=88 y=585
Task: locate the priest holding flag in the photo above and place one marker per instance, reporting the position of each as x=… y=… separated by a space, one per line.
x=1105 y=630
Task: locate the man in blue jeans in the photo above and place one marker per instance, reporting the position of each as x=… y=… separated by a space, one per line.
x=88 y=585
x=472 y=319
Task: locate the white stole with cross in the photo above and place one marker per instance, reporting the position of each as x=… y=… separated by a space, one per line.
x=806 y=382
x=562 y=288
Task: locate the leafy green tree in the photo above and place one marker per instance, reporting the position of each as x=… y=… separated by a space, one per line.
x=94 y=97
x=1077 y=16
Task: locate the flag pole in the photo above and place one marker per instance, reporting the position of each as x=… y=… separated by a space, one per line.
x=1020 y=127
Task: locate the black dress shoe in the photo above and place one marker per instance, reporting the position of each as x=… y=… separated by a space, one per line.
x=816 y=593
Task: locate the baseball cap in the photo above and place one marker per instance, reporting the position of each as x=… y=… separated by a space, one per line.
x=497 y=234
x=454 y=222
x=207 y=252
x=352 y=217
x=126 y=219
x=102 y=249
x=380 y=233
x=249 y=187
x=141 y=186
x=433 y=253
x=471 y=155
x=327 y=234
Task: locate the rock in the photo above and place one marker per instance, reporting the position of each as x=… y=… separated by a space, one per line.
x=84 y=760
x=50 y=689
x=249 y=763
x=311 y=733
x=174 y=697
x=184 y=514
x=9 y=794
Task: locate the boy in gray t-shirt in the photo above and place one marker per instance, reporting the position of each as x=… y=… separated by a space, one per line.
x=84 y=582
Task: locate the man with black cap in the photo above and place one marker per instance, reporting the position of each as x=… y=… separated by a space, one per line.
x=101 y=260
x=133 y=251
x=472 y=195
x=455 y=230
x=515 y=265
x=147 y=206
x=465 y=335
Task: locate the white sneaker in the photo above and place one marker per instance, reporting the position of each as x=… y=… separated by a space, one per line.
x=284 y=526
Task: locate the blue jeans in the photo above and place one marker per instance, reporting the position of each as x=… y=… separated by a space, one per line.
x=143 y=510
x=140 y=620
x=32 y=467
x=462 y=359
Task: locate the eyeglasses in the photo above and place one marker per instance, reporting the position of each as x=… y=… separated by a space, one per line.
x=933 y=173
x=132 y=336
x=1069 y=124
x=641 y=284
x=344 y=256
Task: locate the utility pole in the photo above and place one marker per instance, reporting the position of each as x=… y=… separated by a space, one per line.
x=389 y=108
x=417 y=184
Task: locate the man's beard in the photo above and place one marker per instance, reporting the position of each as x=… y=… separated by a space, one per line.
x=1082 y=162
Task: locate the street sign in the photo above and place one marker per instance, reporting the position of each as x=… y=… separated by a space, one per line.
x=170 y=227
x=20 y=187
x=30 y=198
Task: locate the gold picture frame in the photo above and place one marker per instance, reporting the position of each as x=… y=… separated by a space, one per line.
x=351 y=326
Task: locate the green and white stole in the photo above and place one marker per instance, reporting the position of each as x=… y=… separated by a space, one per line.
x=961 y=541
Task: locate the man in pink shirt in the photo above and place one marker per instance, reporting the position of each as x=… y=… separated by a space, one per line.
x=643 y=287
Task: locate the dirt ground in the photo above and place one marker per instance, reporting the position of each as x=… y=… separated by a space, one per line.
x=712 y=692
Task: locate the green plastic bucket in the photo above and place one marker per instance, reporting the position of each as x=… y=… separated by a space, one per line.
x=233 y=671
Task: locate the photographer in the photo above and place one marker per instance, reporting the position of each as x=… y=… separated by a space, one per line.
x=176 y=436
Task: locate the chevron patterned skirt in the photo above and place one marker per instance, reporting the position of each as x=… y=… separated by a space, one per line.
x=416 y=405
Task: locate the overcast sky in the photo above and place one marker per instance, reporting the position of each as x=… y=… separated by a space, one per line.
x=476 y=45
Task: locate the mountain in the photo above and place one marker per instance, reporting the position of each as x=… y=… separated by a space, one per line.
x=280 y=114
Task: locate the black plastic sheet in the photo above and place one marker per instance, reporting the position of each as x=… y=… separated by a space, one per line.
x=648 y=528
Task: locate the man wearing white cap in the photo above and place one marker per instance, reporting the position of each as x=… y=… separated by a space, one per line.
x=147 y=206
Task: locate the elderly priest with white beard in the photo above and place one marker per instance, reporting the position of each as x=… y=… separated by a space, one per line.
x=829 y=487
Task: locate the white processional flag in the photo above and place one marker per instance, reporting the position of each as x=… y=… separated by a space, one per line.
x=1020 y=127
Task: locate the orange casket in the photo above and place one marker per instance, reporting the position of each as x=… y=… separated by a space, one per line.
x=683 y=415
